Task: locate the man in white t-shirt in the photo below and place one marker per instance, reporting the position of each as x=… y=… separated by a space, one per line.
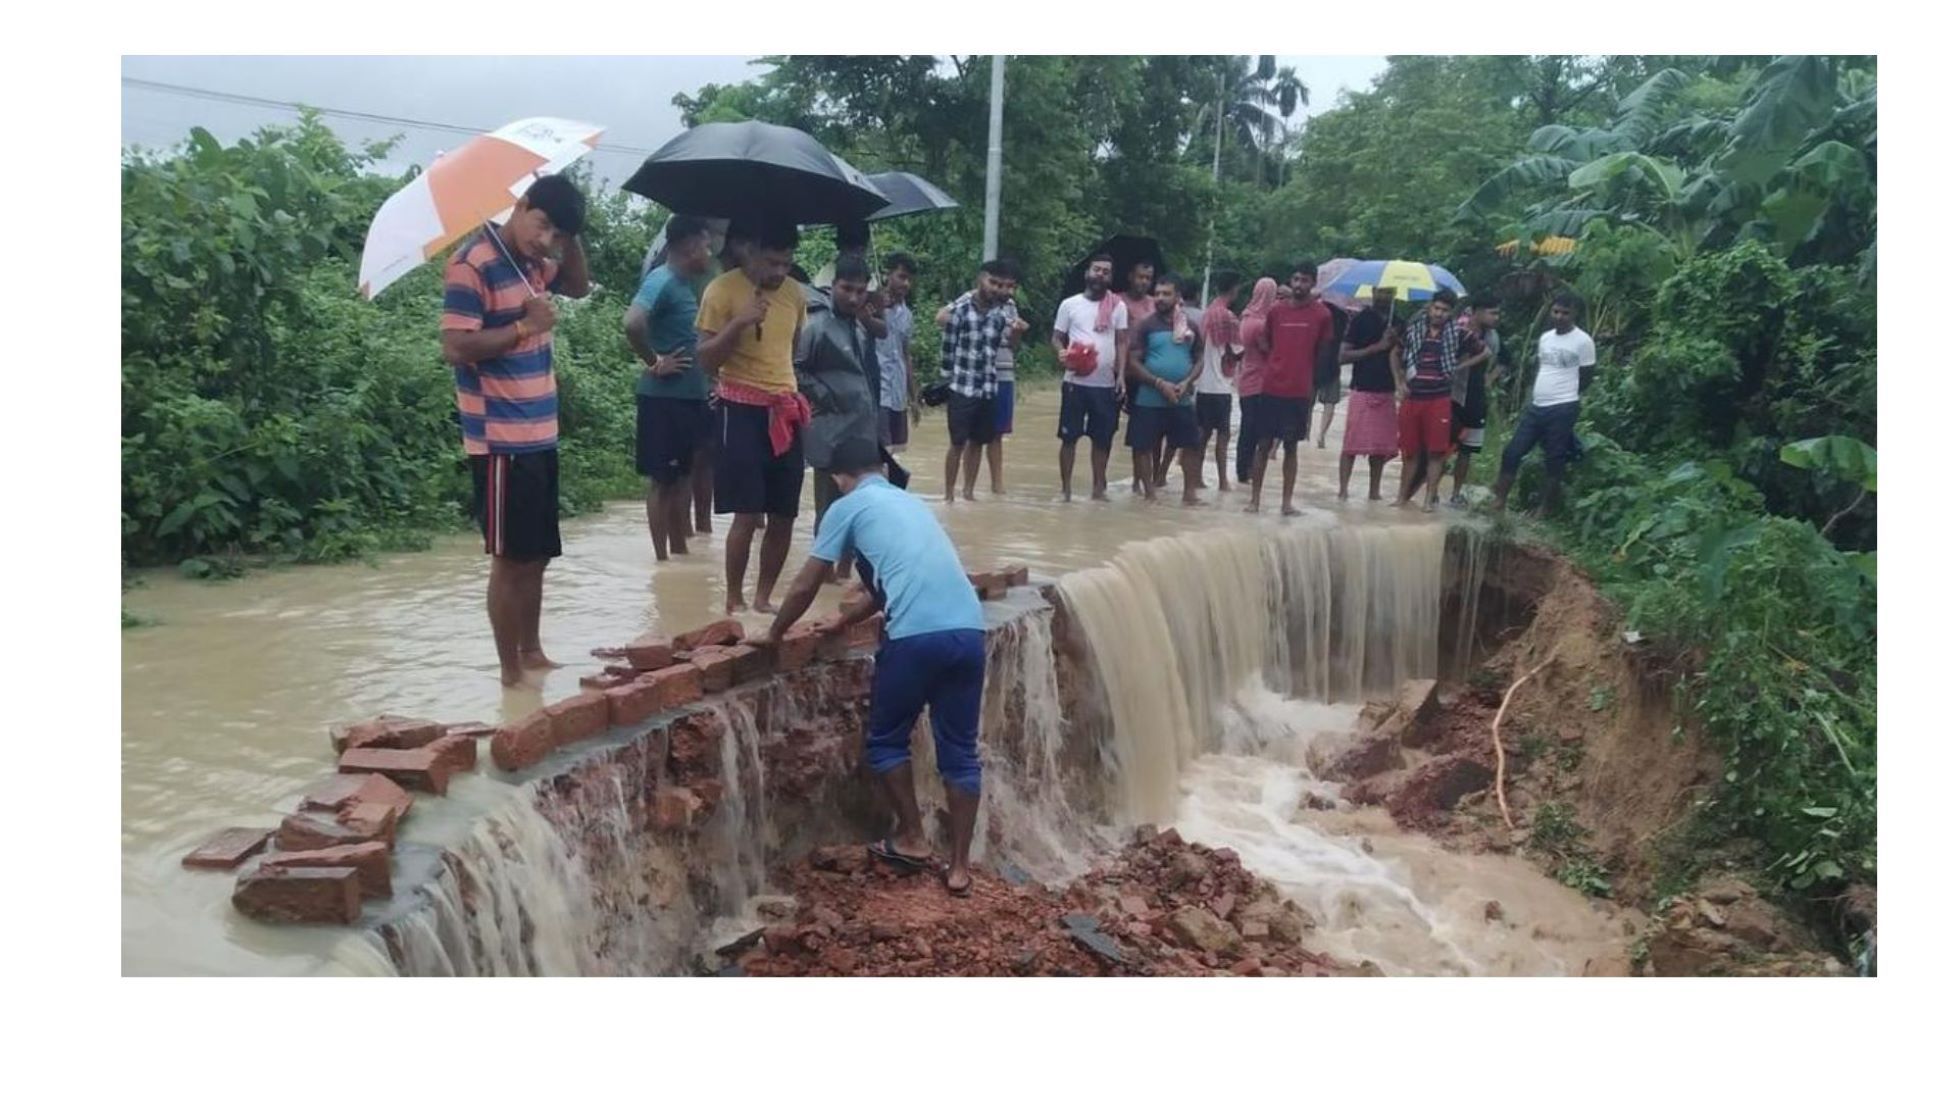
x=1088 y=336
x=1221 y=350
x=1565 y=361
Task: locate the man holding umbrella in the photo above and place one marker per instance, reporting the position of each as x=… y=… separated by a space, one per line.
x=497 y=319
x=749 y=321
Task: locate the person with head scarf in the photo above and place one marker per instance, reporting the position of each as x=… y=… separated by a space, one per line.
x=1254 y=344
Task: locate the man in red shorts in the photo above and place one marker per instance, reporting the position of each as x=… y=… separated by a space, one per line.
x=1424 y=374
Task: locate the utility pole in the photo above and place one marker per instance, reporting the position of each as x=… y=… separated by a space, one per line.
x=1211 y=240
x=992 y=238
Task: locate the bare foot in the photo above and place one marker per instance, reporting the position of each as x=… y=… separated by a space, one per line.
x=1194 y=503
x=1289 y=511
x=680 y=549
x=998 y=489
x=763 y=604
x=1375 y=497
x=1099 y=495
x=513 y=678
x=1342 y=495
x=1067 y=498
x=702 y=527
x=737 y=605
x=968 y=495
x=538 y=660
x=1253 y=507
x=1224 y=487
x=1428 y=506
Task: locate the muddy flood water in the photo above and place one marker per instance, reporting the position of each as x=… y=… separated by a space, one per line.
x=228 y=695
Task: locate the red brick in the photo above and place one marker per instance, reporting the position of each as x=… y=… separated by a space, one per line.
x=674 y=687
x=386 y=733
x=1015 y=574
x=718 y=669
x=650 y=652
x=369 y=860
x=990 y=585
x=228 y=848
x=752 y=663
x=299 y=895
x=578 y=717
x=866 y=632
x=522 y=744
x=372 y=820
x=469 y=730
x=676 y=809
x=320 y=830
x=416 y=769
x=709 y=793
x=600 y=682
x=721 y=632
x=457 y=752
x=798 y=647
x=346 y=790
x=630 y=705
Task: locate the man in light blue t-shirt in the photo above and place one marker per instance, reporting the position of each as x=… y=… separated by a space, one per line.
x=934 y=651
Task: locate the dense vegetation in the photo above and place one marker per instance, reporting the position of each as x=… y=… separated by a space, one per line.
x=1723 y=212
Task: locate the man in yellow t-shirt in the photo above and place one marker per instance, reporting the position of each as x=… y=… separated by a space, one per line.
x=749 y=320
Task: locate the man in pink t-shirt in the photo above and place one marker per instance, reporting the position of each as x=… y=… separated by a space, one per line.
x=1298 y=332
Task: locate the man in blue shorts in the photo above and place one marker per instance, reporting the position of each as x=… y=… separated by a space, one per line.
x=1165 y=349
x=675 y=426
x=933 y=654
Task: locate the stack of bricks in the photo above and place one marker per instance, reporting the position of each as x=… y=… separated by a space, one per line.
x=991 y=585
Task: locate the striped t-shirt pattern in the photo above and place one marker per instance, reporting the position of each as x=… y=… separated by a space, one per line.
x=507 y=404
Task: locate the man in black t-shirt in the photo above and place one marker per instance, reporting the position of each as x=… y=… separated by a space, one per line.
x=1371 y=407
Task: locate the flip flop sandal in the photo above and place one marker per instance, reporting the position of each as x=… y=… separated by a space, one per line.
x=957 y=893
x=884 y=851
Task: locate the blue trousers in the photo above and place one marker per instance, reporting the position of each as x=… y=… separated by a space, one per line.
x=1551 y=426
x=943 y=669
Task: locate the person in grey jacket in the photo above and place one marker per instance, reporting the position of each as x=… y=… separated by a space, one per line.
x=837 y=373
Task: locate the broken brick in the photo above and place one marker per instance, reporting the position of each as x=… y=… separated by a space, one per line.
x=386 y=732
x=674 y=687
x=579 y=717
x=718 y=669
x=317 y=830
x=989 y=585
x=650 y=652
x=797 y=648
x=1015 y=575
x=522 y=744
x=676 y=809
x=299 y=894
x=228 y=848
x=456 y=752
x=721 y=633
x=370 y=820
x=601 y=682
x=418 y=769
x=369 y=860
x=469 y=730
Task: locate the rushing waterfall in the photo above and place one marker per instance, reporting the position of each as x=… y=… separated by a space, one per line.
x=1177 y=627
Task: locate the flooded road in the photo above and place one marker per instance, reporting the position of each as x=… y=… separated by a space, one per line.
x=227 y=698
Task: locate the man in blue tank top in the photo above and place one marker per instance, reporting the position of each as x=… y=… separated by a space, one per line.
x=933 y=654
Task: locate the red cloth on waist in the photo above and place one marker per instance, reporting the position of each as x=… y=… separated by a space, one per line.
x=787 y=412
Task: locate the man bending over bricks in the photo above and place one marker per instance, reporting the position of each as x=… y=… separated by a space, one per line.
x=933 y=653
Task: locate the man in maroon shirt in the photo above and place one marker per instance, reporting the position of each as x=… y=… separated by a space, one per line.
x=1301 y=329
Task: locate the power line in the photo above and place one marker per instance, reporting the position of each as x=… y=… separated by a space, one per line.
x=336 y=112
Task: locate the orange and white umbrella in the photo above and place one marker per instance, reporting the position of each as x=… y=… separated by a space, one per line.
x=464 y=188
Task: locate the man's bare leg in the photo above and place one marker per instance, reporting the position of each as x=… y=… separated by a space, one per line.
x=533 y=650
x=656 y=519
x=1376 y=466
x=1163 y=463
x=964 y=809
x=895 y=785
x=741 y=535
x=1291 y=476
x=973 y=456
x=1068 y=470
x=505 y=600
x=775 y=552
x=1463 y=459
x=1411 y=474
x=1192 y=460
x=1326 y=421
x=1223 y=452
x=995 y=458
x=675 y=499
x=1144 y=465
x=1436 y=465
x=1347 y=472
x=952 y=455
x=1098 y=466
x=1259 y=459
x=703 y=484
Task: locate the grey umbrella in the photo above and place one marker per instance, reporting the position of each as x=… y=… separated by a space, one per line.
x=755 y=169
x=909 y=194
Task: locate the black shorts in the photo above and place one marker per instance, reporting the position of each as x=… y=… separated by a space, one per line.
x=1214 y=413
x=1151 y=426
x=1088 y=411
x=1468 y=432
x=1283 y=419
x=748 y=476
x=897 y=428
x=516 y=504
x=971 y=420
x=671 y=432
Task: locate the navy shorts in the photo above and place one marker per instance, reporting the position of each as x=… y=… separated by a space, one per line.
x=945 y=670
x=897 y=428
x=1214 y=413
x=670 y=432
x=970 y=420
x=1283 y=419
x=1089 y=411
x=1150 y=426
x=748 y=476
x=516 y=504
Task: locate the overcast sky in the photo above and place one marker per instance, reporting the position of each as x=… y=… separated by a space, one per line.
x=631 y=97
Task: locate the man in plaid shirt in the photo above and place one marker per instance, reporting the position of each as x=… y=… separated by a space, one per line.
x=969 y=350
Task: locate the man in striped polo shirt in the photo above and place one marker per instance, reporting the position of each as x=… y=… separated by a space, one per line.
x=497 y=319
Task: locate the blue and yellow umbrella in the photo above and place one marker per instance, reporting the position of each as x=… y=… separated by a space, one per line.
x=1352 y=284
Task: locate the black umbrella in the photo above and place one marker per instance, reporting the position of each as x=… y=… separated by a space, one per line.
x=909 y=194
x=755 y=169
x=1126 y=250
